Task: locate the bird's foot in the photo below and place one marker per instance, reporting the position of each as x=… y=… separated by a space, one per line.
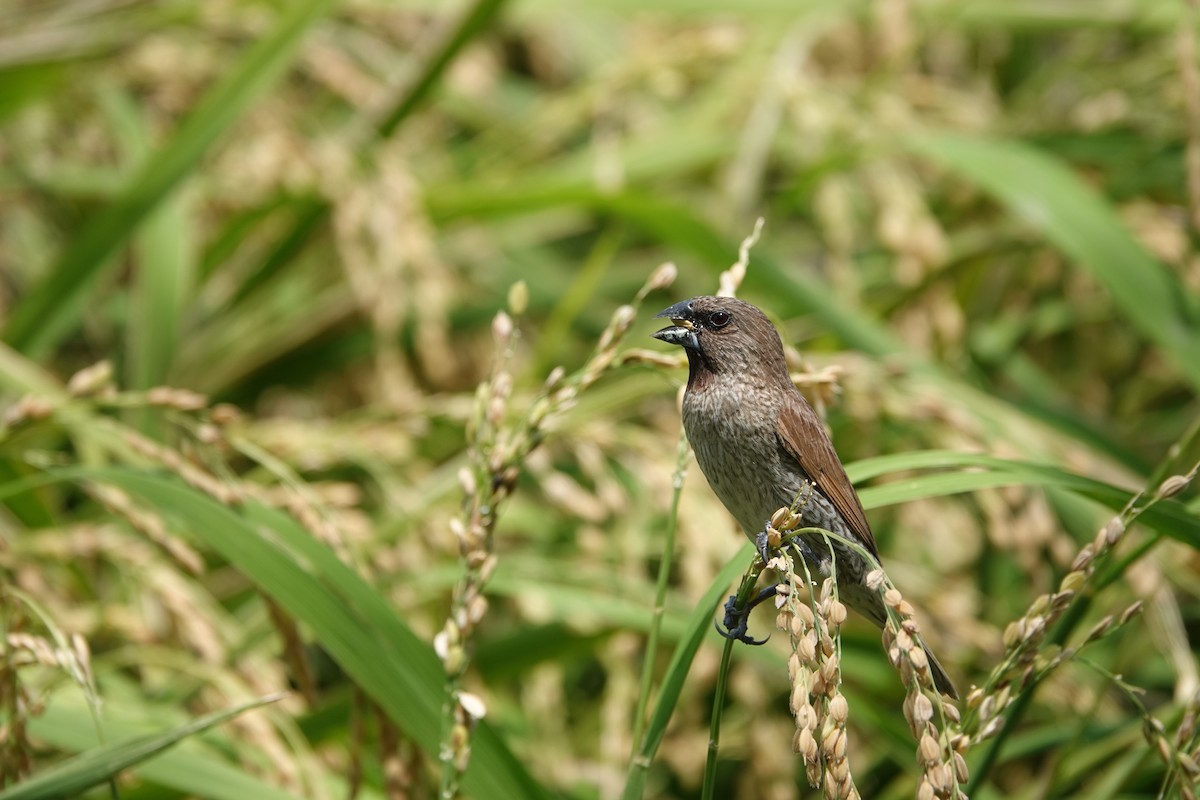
x=762 y=543
x=737 y=620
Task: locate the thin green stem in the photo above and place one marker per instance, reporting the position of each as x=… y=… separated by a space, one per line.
x=744 y=593
x=660 y=592
x=714 y=729
x=1105 y=572
x=1066 y=625
x=474 y=18
x=676 y=671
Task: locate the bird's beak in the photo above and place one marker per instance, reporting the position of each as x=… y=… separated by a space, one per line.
x=681 y=331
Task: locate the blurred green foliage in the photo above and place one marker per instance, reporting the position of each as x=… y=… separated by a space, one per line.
x=981 y=227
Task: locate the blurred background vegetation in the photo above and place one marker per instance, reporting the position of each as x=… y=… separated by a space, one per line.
x=981 y=227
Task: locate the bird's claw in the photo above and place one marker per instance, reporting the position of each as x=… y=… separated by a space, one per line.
x=738 y=633
x=737 y=620
x=762 y=544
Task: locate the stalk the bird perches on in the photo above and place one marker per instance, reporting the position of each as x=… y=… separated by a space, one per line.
x=760 y=445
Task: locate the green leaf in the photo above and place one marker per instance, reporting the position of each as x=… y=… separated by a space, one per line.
x=1045 y=193
x=53 y=307
x=358 y=628
x=973 y=471
x=698 y=624
x=476 y=17
x=101 y=764
x=24 y=84
x=164 y=259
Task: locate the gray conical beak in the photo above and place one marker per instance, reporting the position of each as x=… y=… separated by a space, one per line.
x=681 y=331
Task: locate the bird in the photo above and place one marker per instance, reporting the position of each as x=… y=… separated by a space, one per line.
x=761 y=446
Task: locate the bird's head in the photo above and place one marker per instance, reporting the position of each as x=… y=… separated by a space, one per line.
x=725 y=335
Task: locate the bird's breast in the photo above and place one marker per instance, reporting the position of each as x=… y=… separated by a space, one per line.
x=732 y=429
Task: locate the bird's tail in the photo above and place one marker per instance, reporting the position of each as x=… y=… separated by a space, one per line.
x=940 y=679
x=869 y=603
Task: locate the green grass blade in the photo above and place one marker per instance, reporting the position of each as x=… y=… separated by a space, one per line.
x=100 y=764
x=164 y=260
x=474 y=19
x=494 y=770
x=1168 y=517
x=198 y=767
x=22 y=375
x=24 y=84
x=699 y=623
x=164 y=270
x=1042 y=191
x=53 y=307
x=570 y=182
x=352 y=622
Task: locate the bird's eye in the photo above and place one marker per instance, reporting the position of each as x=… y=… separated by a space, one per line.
x=720 y=319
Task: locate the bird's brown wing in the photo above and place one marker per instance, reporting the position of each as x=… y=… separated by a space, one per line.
x=804 y=438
